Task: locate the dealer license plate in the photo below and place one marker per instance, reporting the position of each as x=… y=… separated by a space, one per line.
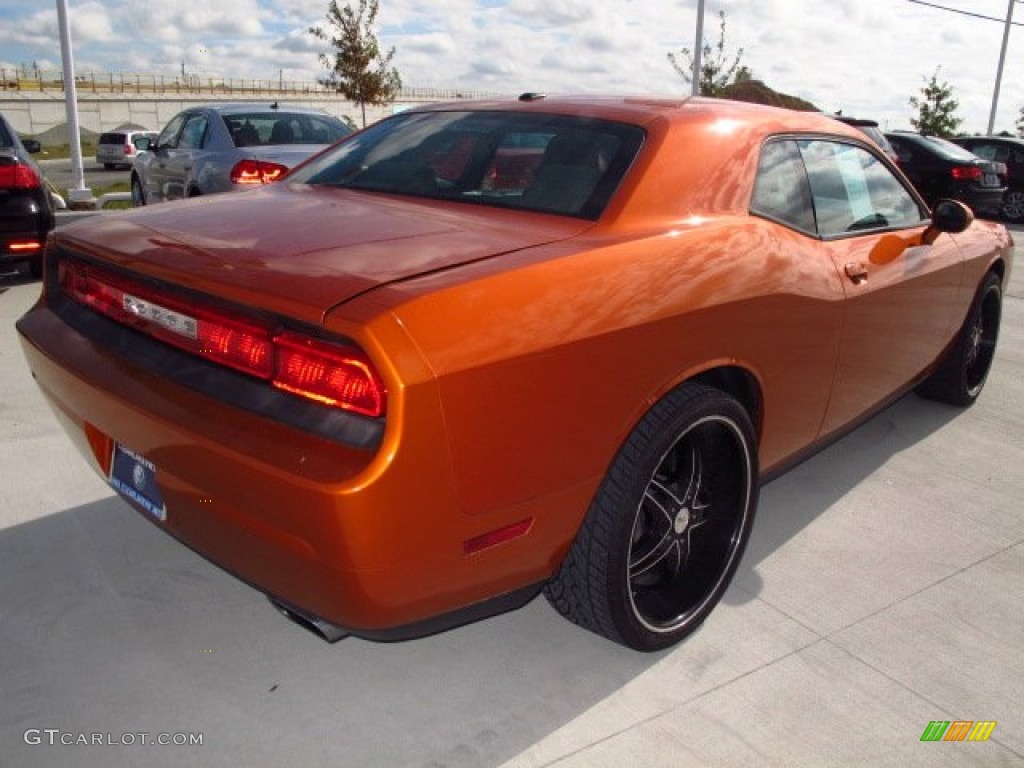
x=134 y=477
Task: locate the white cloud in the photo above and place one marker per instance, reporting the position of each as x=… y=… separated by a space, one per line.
x=866 y=58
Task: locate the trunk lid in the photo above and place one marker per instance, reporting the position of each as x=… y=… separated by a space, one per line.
x=300 y=250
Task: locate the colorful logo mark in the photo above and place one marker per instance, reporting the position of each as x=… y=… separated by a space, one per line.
x=958 y=730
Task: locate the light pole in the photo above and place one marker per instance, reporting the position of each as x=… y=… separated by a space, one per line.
x=698 y=48
x=79 y=193
x=999 y=71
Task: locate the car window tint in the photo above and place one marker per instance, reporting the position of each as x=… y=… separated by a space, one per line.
x=193 y=133
x=169 y=135
x=780 y=190
x=552 y=163
x=853 y=190
x=274 y=128
x=6 y=142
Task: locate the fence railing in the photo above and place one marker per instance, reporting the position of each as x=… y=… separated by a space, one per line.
x=127 y=83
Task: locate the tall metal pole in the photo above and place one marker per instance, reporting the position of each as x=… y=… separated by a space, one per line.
x=698 y=48
x=79 y=193
x=999 y=72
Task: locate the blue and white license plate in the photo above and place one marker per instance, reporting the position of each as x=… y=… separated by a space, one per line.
x=134 y=477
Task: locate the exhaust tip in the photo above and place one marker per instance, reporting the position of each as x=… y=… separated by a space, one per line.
x=332 y=633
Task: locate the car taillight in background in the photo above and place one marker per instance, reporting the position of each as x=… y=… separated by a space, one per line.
x=257 y=172
x=15 y=175
x=967 y=173
x=334 y=374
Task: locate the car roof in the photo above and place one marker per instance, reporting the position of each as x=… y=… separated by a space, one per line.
x=646 y=110
x=230 y=108
x=1007 y=139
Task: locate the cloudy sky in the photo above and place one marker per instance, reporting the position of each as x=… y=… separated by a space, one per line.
x=865 y=57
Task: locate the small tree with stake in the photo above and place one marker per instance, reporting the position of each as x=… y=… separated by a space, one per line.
x=1020 y=123
x=936 y=109
x=357 y=67
x=716 y=70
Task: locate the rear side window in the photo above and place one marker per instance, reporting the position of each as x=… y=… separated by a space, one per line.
x=781 y=191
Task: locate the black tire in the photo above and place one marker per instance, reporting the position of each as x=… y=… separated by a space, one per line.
x=961 y=375
x=667 y=528
x=138 y=196
x=1013 y=205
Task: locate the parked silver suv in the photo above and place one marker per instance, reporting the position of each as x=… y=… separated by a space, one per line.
x=224 y=147
x=120 y=147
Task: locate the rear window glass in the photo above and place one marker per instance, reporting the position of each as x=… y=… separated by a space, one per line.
x=551 y=163
x=112 y=138
x=948 y=149
x=274 y=128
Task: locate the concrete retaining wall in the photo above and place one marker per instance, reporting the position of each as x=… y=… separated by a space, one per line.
x=33 y=114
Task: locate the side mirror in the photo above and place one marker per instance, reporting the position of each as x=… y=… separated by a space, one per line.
x=33 y=146
x=951 y=216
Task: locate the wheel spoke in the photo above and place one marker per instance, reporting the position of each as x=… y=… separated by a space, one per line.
x=664 y=548
x=696 y=471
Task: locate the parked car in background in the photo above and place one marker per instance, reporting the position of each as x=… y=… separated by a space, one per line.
x=26 y=208
x=482 y=349
x=225 y=147
x=1007 y=150
x=120 y=148
x=939 y=168
x=871 y=129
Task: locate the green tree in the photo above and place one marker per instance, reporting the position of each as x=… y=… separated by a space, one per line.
x=357 y=66
x=936 y=109
x=716 y=69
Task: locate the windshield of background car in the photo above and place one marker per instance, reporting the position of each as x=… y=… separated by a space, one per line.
x=551 y=163
x=274 y=128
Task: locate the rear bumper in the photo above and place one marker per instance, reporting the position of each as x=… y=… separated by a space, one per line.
x=367 y=538
x=980 y=200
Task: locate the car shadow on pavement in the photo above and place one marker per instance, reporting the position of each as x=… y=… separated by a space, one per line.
x=851 y=478
x=110 y=626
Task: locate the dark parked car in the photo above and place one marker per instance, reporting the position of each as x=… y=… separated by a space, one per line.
x=483 y=349
x=26 y=209
x=939 y=168
x=225 y=147
x=1010 y=151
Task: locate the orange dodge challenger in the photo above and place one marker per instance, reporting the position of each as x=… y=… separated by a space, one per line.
x=480 y=350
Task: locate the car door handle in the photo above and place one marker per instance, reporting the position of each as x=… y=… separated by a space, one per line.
x=857 y=271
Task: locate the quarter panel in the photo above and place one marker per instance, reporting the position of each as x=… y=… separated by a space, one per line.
x=544 y=368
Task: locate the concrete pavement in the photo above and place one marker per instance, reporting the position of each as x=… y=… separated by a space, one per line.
x=883 y=589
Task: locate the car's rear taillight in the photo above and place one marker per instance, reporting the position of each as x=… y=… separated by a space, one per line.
x=330 y=373
x=967 y=173
x=15 y=175
x=338 y=375
x=257 y=172
x=25 y=246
